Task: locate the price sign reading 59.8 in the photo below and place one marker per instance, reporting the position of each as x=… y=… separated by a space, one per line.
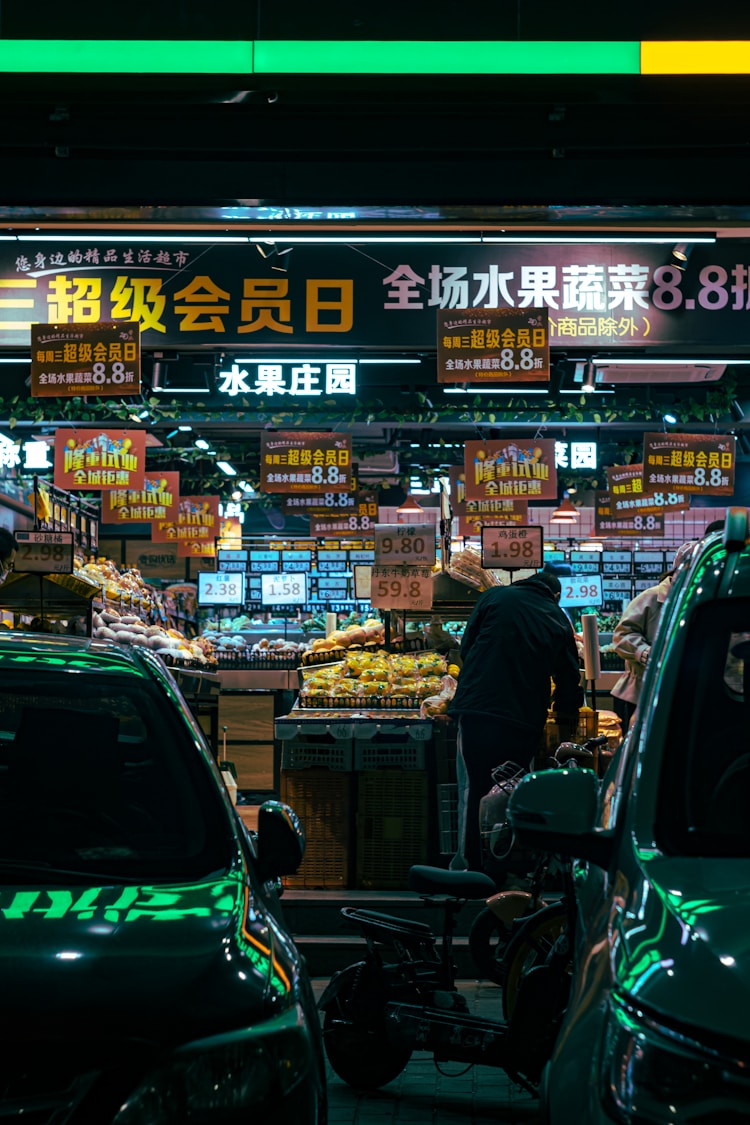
x=410 y=544
x=512 y=548
x=401 y=587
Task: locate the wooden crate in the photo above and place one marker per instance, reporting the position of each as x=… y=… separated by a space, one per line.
x=322 y=799
x=392 y=827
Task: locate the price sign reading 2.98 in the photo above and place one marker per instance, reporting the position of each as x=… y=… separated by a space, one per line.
x=44 y=552
x=283 y=589
x=512 y=548
x=581 y=590
x=408 y=544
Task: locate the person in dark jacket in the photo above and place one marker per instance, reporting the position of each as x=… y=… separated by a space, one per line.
x=516 y=641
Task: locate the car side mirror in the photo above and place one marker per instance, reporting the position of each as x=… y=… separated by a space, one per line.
x=280 y=840
x=556 y=811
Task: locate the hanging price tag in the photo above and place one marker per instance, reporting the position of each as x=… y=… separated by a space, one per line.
x=401 y=587
x=512 y=548
x=44 y=552
x=410 y=544
x=581 y=590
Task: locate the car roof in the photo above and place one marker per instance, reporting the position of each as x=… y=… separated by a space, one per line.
x=50 y=651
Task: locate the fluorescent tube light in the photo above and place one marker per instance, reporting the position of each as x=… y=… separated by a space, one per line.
x=584 y=239
x=493 y=391
x=135 y=236
x=353 y=237
x=227 y=468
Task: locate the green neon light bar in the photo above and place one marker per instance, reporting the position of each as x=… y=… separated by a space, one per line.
x=299 y=56
x=459 y=57
x=124 y=56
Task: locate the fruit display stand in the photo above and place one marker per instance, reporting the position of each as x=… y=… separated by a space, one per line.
x=360 y=781
x=50 y=597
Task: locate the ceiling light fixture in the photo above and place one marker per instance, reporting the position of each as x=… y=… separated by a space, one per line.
x=493 y=391
x=670 y=418
x=201 y=443
x=588 y=386
x=409 y=506
x=566 y=513
x=227 y=468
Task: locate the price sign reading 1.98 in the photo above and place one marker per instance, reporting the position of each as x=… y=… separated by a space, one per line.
x=44 y=552
x=401 y=587
x=581 y=590
x=512 y=548
x=410 y=544
x=283 y=589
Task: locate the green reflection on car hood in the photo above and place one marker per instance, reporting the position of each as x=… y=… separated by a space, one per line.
x=682 y=945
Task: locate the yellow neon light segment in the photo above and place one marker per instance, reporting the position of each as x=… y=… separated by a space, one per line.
x=696 y=57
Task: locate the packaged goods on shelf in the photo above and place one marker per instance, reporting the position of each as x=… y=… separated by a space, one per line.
x=378 y=679
x=466 y=566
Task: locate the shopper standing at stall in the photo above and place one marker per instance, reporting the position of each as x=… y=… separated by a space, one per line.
x=8 y=548
x=516 y=640
x=633 y=636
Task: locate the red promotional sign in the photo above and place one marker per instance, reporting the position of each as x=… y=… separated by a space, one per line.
x=342 y=524
x=510 y=468
x=197 y=522
x=85 y=359
x=305 y=462
x=608 y=525
x=493 y=345
x=97 y=460
x=157 y=500
x=701 y=463
x=627 y=496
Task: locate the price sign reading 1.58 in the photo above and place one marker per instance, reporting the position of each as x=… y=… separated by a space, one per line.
x=411 y=544
x=512 y=548
x=283 y=589
x=401 y=587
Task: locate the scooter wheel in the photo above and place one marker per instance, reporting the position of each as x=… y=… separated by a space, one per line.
x=530 y=946
x=488 y=941
x=359 y=1052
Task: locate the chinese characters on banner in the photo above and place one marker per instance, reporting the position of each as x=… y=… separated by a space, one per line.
x=294 y=461
x=230 y=533
x=607 y=524
x=523 y=470
x=96 y=460
x=594 y=296
x=361 y=517
x=493 y=346
x=625 y=483
x=701 y=463
x=473 y=515
x=85 y=359
x=195 y=529
x=158 y=500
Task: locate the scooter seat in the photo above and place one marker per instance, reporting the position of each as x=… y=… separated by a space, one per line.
x=457 y=884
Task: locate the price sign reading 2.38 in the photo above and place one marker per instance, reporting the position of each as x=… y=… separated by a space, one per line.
x=407 y=544
x=512 y=548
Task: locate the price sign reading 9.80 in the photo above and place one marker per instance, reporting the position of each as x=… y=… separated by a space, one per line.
x=581 y=590
x=401 y=587
x=512 y=548
x=411 y=544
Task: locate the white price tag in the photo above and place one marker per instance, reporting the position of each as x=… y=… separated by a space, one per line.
x=221 y=588
x=401 y=587
x=581 y=590
x=410 y=544
x=512 y=548
x=44 y=552
x=283 y=589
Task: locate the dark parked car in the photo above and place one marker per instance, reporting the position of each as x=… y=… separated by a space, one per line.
x=657 y=1031
x=145 y=972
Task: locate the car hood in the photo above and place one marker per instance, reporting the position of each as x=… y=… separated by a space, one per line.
x=681 y=944
x=161 y=963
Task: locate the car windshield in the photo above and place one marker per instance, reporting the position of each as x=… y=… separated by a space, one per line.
x=99 y=774
x=704 y=793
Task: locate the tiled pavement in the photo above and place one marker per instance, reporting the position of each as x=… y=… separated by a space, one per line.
x=423 y=1094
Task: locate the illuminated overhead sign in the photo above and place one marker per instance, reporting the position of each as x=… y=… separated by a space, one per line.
x=575 y=454
x=298 y=378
